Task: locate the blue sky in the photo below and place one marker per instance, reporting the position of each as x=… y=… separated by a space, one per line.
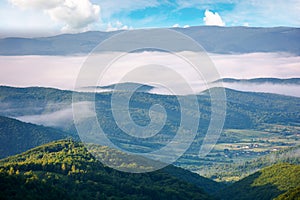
x=48 y=17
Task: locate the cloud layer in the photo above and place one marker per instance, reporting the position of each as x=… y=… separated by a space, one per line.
x=284 y=89
x=61 y=72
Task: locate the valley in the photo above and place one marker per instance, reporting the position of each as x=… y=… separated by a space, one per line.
x=257 y=124
x=65 y=169
x=149 y=100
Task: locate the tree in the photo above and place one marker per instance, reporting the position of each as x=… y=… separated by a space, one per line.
x=11 y=171
x=63 y=166
x=73 y=169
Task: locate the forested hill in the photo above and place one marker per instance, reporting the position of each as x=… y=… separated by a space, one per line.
x=17 y=137
x=280 y=181
x=65 y=170
x=244 y=109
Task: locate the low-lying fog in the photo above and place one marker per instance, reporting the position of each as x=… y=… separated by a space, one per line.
x=61 y=71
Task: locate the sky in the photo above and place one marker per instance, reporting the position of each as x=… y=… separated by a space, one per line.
x=50 y=17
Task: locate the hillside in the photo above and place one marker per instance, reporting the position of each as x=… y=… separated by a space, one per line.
x=17 y=137
x=268 y=183
x=244 y=109
x=239 y=170
x=256 y=123
x=213 y=38
x=65 y=170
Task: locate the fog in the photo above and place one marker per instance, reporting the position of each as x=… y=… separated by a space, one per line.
x=62 y=118
x=283 y=89
x=61 y=71
x=54 y=119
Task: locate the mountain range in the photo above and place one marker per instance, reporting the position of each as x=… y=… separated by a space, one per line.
x=214 y=39
x=256 y=155
x=256 y=124
x=294 y=81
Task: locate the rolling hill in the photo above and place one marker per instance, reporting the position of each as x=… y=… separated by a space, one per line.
x=279 y=179
x=65 y=170
x=244 y=109
x=17 y=137
x=255 y=125
x=241 y=169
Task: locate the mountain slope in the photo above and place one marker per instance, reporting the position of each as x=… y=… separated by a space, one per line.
x=244 y=109
x=66 y=170
x=212 y=38
x=239 y=170
x=290 y=194
x=267 y=183
x=267 y=121
x=17 y=136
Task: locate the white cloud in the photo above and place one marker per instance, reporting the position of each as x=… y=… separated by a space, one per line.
x=25 y=22
x=117 y=26
x=178 y=26
x=246 y=24
x=36 y=4
x=212 y=19
x=74 y=15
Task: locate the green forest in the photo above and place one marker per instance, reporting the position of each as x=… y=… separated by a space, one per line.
x=66 y=170
x=256 y=157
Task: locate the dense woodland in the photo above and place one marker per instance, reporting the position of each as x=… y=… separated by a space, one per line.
x=17 y=137
x=279 y=179
x=65 y=169
x=244 y=110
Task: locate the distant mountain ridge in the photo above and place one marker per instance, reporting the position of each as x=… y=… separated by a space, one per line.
x=224 y=40
x=127 y=86
x=295 y=81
